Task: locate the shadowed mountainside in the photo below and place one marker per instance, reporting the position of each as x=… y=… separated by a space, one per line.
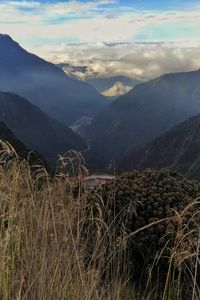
x=144 y=113
x=178 y=149
x=45 y=85
x=37 y=130
x=6 y=135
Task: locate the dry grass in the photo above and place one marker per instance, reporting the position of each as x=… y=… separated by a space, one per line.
x=45 y=233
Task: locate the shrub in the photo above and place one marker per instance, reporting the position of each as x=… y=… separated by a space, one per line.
x=154 y=218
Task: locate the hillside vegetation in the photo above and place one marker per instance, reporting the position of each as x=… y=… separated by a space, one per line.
x=62 y=241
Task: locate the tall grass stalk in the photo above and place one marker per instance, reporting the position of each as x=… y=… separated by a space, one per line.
x=45 y=230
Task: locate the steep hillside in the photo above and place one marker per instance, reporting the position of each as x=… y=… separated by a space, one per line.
x=45 y=85
x=36 y=129
x=178 y=149
x=144 y=113
x=7 y=135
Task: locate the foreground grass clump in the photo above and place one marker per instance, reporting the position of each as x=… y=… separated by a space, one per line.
x=42 y=248
x=62 y=241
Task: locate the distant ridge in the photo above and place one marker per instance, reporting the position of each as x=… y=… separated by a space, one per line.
x=37 y=130
x=45 y=85
x=144 y=113
x=7 y=136
x=178 y=149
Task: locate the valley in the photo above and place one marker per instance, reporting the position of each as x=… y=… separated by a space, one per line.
x=99 y=175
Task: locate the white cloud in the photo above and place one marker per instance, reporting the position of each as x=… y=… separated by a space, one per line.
x=135 y=60
x=73 y=7
x=46 y=27
x=91 y=21
x=117 y=89
x=24 y=4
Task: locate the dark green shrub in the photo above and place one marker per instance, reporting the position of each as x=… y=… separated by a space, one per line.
x=149 y=199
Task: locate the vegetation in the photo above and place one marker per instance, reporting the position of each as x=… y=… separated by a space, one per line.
x=152 y=215
x=60 y=240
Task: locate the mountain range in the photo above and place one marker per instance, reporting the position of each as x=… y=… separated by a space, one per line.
x=45 y=85
x=144 y=113
x=177 y=149
x=37 y=130
x=101 y=84
x=109 y=86
x=7 y=136
x=153 y=125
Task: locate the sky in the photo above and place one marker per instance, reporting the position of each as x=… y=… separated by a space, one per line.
x=52 y=22
x=65 y=30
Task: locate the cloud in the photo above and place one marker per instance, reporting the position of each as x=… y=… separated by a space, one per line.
x=24 y=4
x=117 y=89
x=141 y=61
x=89 y=21
x=73 y=7
x=48 y=28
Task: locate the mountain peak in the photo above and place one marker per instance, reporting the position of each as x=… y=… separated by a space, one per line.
x=7 y=42
x=45 y=85
x=5 y=38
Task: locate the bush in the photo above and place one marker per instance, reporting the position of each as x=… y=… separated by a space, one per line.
x=154 y=217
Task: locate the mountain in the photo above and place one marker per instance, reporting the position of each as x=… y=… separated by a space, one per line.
x=144 y=113
x=45 y=85
x=77 y=72
x=109 y=86
x=37 y=130
x=177 y=149
x=6 y=135
x=101 y=84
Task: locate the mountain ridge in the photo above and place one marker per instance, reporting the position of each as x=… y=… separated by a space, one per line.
x=177 y=149
x=7 y=136
x=37 y=130
x=46 y=85
x=144 y=113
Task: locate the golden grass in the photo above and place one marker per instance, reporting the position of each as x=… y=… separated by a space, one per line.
x=45 y=236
